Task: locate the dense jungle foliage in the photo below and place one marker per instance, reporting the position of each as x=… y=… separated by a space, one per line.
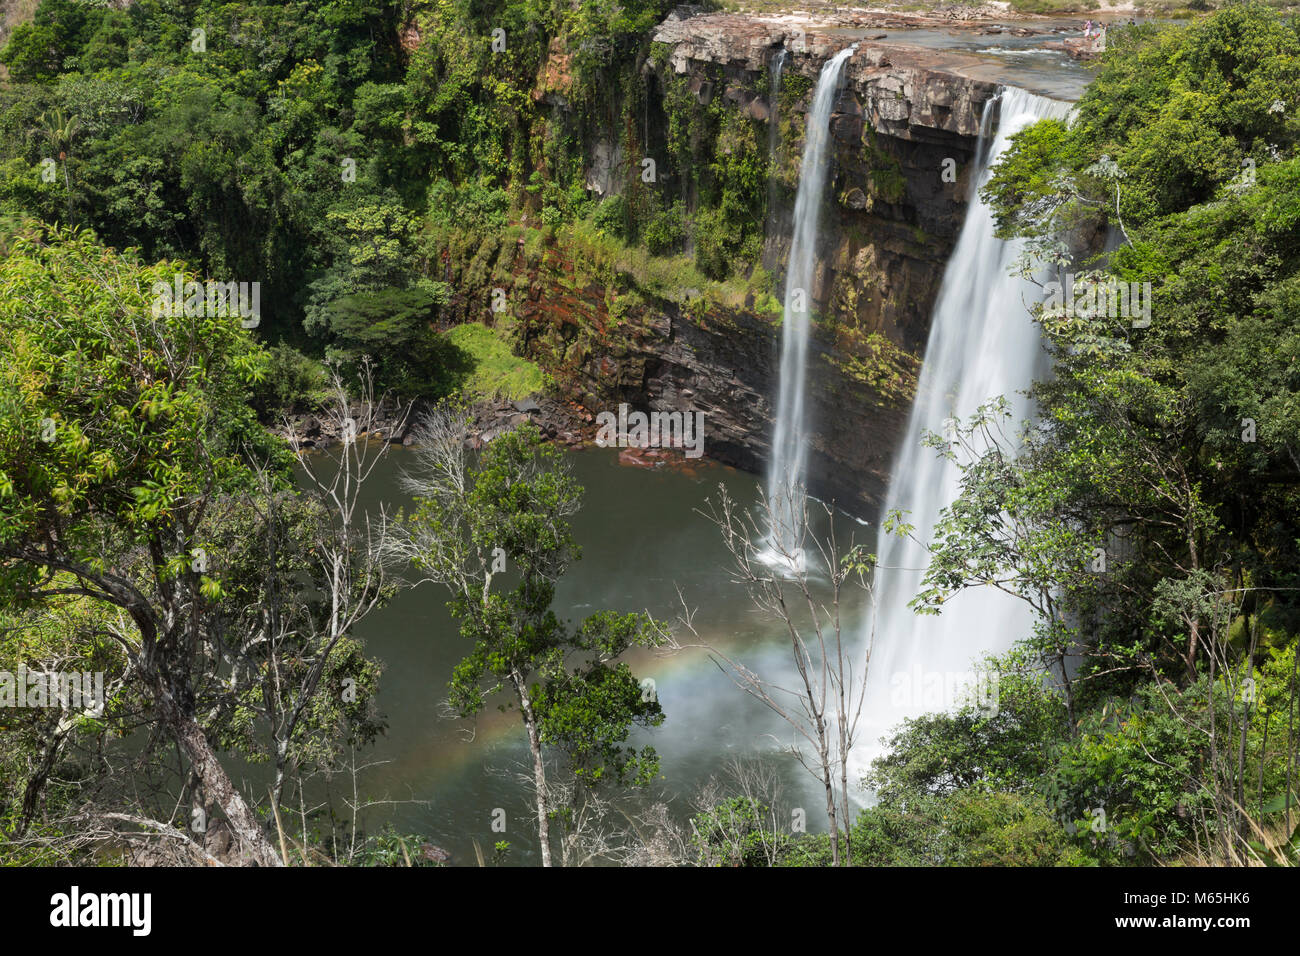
x=328 y=150
x=347 y=154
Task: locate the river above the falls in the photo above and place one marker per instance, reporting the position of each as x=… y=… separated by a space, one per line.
x=1007 y=59
x=641 y=539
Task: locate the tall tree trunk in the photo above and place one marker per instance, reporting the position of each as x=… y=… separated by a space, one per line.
x=539 y=772
x=831 y=816
x=829 y=781
x=844 y=800
x=216 y=783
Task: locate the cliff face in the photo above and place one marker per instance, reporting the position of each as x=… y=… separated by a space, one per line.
x=905 y=130
x=603 y=347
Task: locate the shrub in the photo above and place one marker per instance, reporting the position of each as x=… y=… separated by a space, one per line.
x=1010 y=750
x=293 y=382
x=613 y=216
x=712 y=243
x=965 y=828
x=473 y=206
x=666 y=230
x=735 y=833
x=394 y=328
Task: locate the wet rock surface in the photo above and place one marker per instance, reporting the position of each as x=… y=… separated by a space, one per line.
x=905 y=130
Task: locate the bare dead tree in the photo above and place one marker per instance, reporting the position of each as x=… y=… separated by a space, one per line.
x=733 y=814
x=823 y=703
x=350 y=551
x=659 y=840
x=590 y=826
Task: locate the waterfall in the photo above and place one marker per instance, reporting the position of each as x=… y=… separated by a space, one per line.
x=785 y=483
x=982 y=344
x=773 y=156
x=774 y=96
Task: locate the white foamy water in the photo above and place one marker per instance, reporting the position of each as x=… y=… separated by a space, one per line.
x=983 y=343
x=786 y=470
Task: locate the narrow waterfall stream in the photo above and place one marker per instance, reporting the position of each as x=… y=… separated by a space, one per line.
x=774 y=126
x=785 y=481
x=772 y=221
x=982 y=344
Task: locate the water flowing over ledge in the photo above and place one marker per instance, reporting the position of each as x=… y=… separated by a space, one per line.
x=788 y=467
x=983 y=344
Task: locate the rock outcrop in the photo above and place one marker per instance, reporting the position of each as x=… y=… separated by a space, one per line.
x=905 y=130
x=905 y=127
x=603 y=348
x=905 y=89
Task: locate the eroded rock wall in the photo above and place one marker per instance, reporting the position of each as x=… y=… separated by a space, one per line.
x=905 y=117
x=603 y=347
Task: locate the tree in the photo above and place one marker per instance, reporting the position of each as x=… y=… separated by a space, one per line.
x=1009 y=529
x=483 y=520
x=1009 y=750
x=1148 y=512
x=60 y=131
x=395 y=328
x=119 y=429
x=37 y=50
x=824 y=701
x=373 y=246
x=1146 y=447
x=139 y=495
x=317 y=570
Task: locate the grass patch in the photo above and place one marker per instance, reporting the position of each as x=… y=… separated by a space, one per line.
x=607 y=260
x=1045 y=7
x=498 y=372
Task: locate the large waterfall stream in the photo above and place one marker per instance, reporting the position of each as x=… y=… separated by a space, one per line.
x=982 y=344
x=785 y=480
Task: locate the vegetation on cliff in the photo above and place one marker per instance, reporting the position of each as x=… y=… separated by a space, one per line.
x=1149 y=512
x=382 y=168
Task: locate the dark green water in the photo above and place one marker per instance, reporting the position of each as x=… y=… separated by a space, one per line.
x=641 y=539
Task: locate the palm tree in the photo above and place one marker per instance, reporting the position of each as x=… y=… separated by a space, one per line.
x=59 y=130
